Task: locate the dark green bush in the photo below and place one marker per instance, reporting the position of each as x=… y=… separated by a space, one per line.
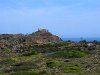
x=55 y=64
x=25 y=73
x=74 y=53
x=70 y=54
x=71 y=69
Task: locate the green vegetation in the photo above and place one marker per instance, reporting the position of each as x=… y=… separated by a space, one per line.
x=51 y=59
x=42 y=53
x=70 y=54
x=74 y=53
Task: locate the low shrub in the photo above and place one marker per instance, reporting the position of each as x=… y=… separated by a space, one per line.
x=54 y=64
x=69 y=54
x=71 y=69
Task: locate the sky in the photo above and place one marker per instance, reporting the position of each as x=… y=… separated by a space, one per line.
x=65 y=18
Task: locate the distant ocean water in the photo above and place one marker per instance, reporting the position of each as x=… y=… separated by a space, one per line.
x=79 y=39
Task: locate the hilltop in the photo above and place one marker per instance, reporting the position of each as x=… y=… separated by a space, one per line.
x=44 y=36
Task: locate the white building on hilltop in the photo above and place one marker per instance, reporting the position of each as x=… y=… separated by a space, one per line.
x=43 y=30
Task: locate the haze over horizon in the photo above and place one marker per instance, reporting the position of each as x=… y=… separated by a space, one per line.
x=65 y=18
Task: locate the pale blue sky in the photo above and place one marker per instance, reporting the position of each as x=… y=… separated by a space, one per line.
x=66 y=18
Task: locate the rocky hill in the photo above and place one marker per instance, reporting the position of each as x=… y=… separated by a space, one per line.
x=42 y=36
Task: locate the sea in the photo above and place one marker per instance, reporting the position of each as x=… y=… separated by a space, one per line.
x=79 y=39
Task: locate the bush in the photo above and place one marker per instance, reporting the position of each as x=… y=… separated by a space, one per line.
x=6 y=51
x=71 y=69
x=23 y=66
x=25 y=73
x=43 y=73
x=34 y=72
x=28 y=53
x=54 y=64
x=70 y=54
x=7 y=61
x=74 y=53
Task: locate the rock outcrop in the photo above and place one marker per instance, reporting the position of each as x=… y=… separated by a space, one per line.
x=44 y=36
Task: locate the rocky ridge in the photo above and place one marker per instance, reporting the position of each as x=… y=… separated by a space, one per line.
x=42 y=36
